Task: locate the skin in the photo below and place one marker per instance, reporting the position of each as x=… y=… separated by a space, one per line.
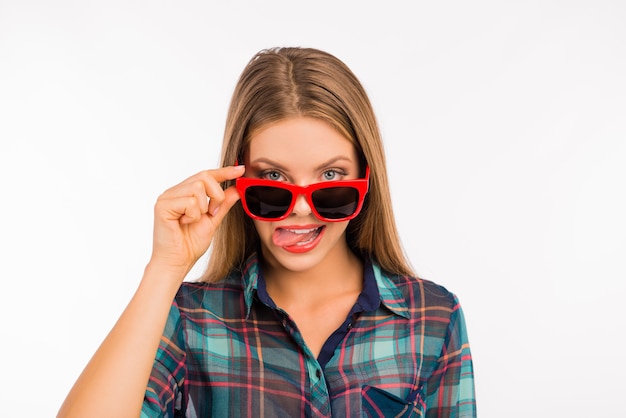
x=317 y=287
x=114 y=381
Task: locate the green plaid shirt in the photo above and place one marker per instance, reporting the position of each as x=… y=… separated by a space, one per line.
x=228 y=351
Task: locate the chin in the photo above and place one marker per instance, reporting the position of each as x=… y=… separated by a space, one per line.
x=295 y=262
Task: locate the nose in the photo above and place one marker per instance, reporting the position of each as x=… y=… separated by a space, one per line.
x=301 y=208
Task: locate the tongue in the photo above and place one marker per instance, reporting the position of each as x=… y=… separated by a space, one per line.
x=284 y=238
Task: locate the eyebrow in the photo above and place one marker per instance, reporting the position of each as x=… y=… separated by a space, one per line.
x=324 y=164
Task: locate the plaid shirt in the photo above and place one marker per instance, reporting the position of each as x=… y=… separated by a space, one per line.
x=228 y=351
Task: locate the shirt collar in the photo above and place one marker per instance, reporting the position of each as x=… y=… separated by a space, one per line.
x=390 y=295
x=377 y=288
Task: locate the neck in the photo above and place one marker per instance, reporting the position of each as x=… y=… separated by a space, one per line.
x=338 y=274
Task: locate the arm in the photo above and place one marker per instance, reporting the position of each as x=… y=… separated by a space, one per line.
x=114 y=381
x=450 y=389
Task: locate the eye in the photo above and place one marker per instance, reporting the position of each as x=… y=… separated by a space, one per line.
x=333 y=174
x=272 y=175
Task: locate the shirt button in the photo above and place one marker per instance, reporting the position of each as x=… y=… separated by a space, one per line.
x=318 y=373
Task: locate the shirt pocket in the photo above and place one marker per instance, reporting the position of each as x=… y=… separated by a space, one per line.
x=381 y=404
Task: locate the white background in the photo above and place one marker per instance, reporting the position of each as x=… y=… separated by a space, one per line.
x=505 y=129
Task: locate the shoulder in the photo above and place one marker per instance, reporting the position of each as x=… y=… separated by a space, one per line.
x=205 y=295
x=421 y=296
x=428 y=291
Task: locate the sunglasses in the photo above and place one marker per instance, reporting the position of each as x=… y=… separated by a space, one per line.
x=330 y=201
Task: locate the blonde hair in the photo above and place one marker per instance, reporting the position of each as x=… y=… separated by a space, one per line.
x=283 y=83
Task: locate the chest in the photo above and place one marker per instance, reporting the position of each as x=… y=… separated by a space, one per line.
x=265 y=364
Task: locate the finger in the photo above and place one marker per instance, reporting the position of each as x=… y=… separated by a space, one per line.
x=218 y=174
x=199 y=187
x=218 y=211
x=193 y=212
x=214 y=190
x=205 y=183
x=186 y=209
x=230 y=172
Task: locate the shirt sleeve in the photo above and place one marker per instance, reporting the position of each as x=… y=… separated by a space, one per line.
x=450 y=389
x=164 y=393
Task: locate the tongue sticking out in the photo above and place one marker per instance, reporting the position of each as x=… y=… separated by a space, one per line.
x=287 y=238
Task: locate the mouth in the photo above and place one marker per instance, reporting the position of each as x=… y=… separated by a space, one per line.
x=297 y=239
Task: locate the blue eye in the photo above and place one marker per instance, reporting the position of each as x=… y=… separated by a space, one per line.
x=272 y=175
x=331 y=175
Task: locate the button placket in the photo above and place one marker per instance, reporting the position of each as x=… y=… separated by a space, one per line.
x=319 y=390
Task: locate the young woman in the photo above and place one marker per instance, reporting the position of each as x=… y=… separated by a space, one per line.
x=308 y=306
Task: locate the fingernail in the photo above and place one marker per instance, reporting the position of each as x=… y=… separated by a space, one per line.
x=215 y=210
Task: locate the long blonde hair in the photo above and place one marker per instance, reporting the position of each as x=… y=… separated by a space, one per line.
x=282 y=83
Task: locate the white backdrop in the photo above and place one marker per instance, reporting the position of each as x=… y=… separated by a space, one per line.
x=505 y=129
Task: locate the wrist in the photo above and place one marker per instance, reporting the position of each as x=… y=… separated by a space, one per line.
x=164 y=273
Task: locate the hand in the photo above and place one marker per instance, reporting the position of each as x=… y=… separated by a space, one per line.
x=186 y=217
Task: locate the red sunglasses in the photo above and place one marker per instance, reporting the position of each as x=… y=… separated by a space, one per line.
x=330 y=201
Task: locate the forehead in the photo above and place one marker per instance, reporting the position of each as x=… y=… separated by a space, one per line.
x=300 y=141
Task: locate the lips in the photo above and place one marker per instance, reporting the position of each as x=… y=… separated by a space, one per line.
x=297 y=239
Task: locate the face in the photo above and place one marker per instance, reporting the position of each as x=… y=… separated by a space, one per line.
x=301 y=151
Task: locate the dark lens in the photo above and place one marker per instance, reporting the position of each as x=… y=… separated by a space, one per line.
x=336 y=202
x=267 y=201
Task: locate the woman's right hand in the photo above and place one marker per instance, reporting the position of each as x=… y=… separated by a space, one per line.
x=186 y=217
x=113 y=384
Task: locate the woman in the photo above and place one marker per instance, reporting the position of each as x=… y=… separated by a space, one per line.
x=308 y=306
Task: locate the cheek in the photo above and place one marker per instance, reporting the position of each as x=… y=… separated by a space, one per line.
x=337 y=229
x=263 y=229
